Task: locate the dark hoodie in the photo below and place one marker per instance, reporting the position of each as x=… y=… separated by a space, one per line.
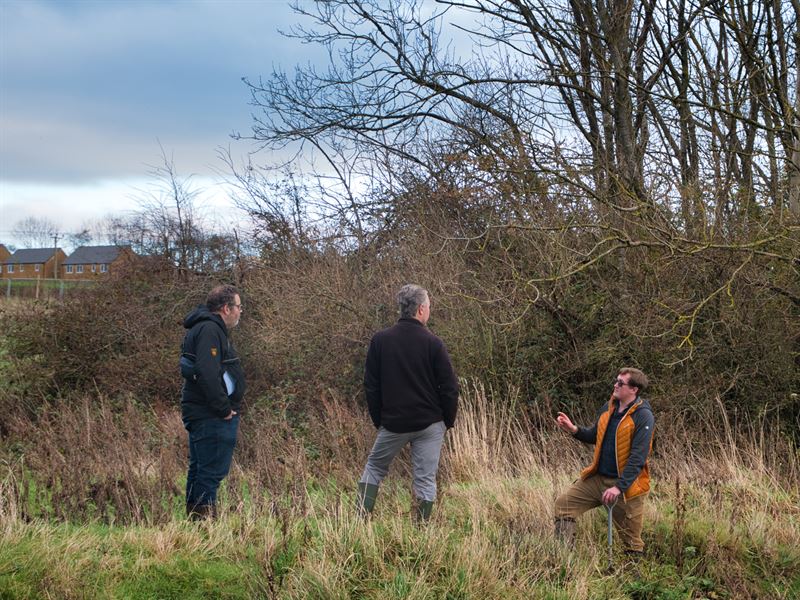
x=211 y=355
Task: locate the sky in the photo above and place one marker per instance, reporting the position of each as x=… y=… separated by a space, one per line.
x=91 y=90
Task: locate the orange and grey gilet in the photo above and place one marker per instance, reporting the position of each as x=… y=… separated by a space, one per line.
x=625 y=430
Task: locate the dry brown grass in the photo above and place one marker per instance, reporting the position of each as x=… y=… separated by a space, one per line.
x=722 y=511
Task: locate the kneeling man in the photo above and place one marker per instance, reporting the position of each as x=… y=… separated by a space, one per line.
x=619 y=475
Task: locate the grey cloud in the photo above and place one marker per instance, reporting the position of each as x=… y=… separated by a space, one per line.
x=88 y=87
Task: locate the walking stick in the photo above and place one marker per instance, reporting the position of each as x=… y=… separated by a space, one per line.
x=610 y=509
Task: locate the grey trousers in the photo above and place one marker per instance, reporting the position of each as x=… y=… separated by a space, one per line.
x=426 y=447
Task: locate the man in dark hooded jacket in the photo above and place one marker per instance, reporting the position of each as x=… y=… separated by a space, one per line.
x=213 y=389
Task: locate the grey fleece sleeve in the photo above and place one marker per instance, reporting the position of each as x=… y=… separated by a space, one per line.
x=588 y=435
x=640 y=448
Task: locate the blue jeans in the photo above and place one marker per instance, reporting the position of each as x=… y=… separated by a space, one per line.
x=211 y=443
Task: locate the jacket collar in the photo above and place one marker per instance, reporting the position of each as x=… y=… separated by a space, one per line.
x=612 y=404
x=411 y=320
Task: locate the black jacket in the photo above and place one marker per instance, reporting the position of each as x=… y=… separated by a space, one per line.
x=408 y=379
x=206 y=355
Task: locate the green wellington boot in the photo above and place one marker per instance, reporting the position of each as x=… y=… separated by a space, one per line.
x=367 y=493
x=421 y=512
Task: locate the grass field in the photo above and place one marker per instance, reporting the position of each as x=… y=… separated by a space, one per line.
x=722 y=525
x=24 y=289
x=490 y=539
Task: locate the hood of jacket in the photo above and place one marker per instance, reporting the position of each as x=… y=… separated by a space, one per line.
x=201 y=313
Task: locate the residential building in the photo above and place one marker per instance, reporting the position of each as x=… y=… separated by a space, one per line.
x=4 y=253
x=89 y=262
x=33 y=263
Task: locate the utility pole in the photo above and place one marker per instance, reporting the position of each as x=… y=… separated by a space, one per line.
x=55 y=255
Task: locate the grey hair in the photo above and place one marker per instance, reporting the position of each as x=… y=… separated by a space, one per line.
x=220 y=296
x=410 y=298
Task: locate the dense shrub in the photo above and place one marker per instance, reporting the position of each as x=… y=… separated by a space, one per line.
x=309 y=316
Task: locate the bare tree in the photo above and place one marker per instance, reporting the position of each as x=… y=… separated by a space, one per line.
x=37 y=232
x=168 y=224
x=562 y=142
x=82 y=237
x=608 y=97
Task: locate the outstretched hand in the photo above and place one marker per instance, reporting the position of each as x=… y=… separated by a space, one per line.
x=565 y=424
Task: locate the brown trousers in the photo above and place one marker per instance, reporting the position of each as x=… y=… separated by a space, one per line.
x=585 y=495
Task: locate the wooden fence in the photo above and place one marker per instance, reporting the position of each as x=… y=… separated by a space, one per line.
x=39 y=289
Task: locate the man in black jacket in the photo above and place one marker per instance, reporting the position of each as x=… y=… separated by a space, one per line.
x=412 y=395
x=213 y=388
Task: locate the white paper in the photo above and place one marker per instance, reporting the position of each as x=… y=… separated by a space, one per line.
x=230 y=384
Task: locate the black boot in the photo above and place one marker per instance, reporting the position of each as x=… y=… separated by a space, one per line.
x=201 y=512
x=633 y=559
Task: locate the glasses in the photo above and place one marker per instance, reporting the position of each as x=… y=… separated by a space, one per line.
x=239 y=306
x=620 y=383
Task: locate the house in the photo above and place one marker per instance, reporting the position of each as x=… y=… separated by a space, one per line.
x=33 y=263
x=4 y=254
x=88 y=262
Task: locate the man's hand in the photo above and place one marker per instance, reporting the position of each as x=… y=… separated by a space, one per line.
x=610 y=495
x=565 y=424
x=230 y=416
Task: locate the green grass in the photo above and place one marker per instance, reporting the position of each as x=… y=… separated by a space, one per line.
x=43 y=283
x=23 y=290
x=723 y=524
x=100 y=562
x=490 y=539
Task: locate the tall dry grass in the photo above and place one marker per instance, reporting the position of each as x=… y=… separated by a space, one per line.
x=98 y=453
x=723 y=509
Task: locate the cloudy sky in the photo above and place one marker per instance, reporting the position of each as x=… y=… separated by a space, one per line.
x=88 y=90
